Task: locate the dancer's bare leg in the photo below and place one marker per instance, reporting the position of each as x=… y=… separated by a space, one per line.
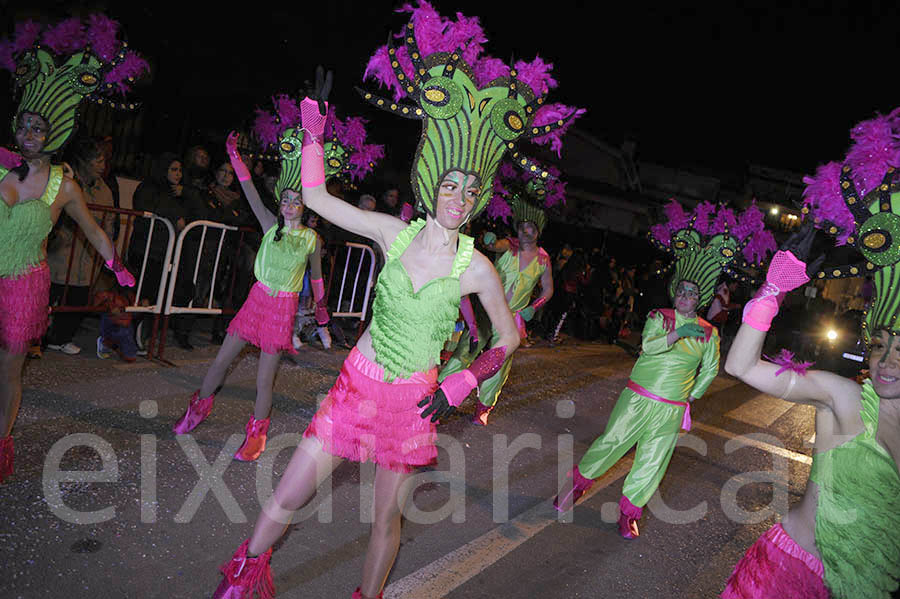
x=384 y=542
x=309 y=466
x=230 y=349
x=265 y=380
x=10 y=389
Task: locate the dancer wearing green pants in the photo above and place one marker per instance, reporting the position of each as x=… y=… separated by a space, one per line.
x=655 y=404
x=522 y=266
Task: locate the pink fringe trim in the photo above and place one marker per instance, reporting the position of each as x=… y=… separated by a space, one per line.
x=266 y=321
x=24 y=308
x=251 y=575
x=364 y=418
x=775 y=566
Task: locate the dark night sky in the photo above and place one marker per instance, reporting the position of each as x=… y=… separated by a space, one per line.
x=710 y=88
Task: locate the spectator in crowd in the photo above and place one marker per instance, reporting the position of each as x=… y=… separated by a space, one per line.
x=116 y=332
x=366 y=202
x=391 y=204
x=163 y=194
x=72 y=286
x=721 y=305
x=196 y=169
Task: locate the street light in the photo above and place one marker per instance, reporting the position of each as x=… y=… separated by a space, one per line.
x=774 y=211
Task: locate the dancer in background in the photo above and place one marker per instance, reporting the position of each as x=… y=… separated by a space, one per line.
x=386 y=401
x=54 y=69
x=836 y=541
x=655 y=404
x=267 y=317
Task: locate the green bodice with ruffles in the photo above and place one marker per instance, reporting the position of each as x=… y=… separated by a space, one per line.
x=409 y=328
x=280 y=265
x=858 y=515
x=24 y=227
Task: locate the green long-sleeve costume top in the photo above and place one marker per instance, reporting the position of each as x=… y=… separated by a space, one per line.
x=280 y=265
x=670 y=371
x=522 y=282
x=858 y=512
x=24 y=227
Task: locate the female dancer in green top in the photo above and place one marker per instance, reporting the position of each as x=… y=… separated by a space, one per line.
x=54 y=69
x=375 y=409
x=840 y=540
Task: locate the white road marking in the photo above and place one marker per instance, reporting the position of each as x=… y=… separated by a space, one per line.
x=442 y=576
x=761 y=410
x=781 y=451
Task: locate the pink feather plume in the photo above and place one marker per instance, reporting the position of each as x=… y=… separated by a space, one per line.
x=823 y=198
x=66 y=37
x=288 y=111
x=723 y=221
x=702 y=214
x=123 y=74
x=266 y=128
x=536 y=74
x=102 y=34
x=26 y=35
x=498 y=208
x=7 y=56
x=552 y=113
x=785 y=359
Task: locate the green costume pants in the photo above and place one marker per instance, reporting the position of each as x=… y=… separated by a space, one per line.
x=653 y=426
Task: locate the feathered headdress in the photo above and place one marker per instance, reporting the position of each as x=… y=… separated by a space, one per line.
x=55 y=68
x=347 y=155
x=709 y=242
x=474 y=108
x=519 y=195
x=858 y=202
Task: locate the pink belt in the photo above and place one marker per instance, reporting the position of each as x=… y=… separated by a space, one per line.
x=685 y=420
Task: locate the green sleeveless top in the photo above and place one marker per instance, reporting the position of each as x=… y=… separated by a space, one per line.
x=25 y=226
x=280 y=264
x=522 y=281
x=409 y=328
x=858 y=517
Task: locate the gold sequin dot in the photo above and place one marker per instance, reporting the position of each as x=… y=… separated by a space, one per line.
x=851 y=200
x=415 y=55
x=449 y=67
x=543 y=173
x=405 y=110
x=380 y=102
x=524 y=162
x=832 y=230
x=535 y=130
x=419 y=111
x=869 y=265
x=533 y=168
x=821 y=275
x=850 y=240
x=885 y=206
x=368 y=96
x=853 y=270
x=393 y=107
x=845 y=184
x=884 y=187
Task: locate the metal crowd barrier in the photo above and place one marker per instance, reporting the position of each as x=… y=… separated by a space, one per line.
x=364 y=253
x=122 y=245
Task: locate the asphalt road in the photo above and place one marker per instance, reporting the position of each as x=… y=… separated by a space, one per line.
x=150 y=515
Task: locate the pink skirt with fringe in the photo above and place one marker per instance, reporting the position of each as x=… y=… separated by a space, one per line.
x=363 y=418
x=265 y=320
x=776 y=567
x=24 y=308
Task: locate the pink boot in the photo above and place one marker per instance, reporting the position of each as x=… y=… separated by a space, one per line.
x=255 y=441
x=246 y=576
x=629 y=514
x=357 y=594
x=196 y=412
x=6 y=457
x=481 y=414
x=580 y=484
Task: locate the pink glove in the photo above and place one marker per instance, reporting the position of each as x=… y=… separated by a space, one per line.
x=312 y=160
x=125 y=278
x=458 y=385
x=9 y=160
x=786 y=273
x=240 y=169
x=318 y=287
x=406 y=213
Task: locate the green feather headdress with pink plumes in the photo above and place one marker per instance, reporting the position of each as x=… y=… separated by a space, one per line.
x=858 y=201
x=711 y=241
x=56 y=68
x=347 y=155
x=474 y=108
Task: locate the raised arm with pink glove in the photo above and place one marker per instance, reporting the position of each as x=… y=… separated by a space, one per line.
x=240 y=169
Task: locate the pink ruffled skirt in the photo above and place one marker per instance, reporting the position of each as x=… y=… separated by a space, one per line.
x=363 y=418
x=776 y=567
x=265 y=320
x=24 y=308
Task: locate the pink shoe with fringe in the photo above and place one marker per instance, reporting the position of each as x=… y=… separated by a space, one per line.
x=246 y=577
x=580 y=484
x=629 y=514
x=6 y=457
x=255 y=441
x=357 y=594
x=481 y=414
x=196 y=412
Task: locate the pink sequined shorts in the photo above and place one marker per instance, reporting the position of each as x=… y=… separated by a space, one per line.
x=363 y=418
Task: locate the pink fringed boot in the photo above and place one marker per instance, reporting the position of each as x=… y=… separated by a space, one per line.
x=196 y=412
x=357 y=594
x=481 y=414
x=255 y=441
x=6 y=457
x=246 y=577
x=629 y=514
x=580 y=484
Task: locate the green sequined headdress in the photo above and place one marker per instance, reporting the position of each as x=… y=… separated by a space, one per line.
x=347 y=155
x=56 y=68
x=858 y=201
x=473 y=108
x=524 y=198
x=710 y=242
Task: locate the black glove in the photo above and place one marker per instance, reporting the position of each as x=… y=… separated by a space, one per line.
x=322 y=88
x=800 y=245
x=439 y=407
